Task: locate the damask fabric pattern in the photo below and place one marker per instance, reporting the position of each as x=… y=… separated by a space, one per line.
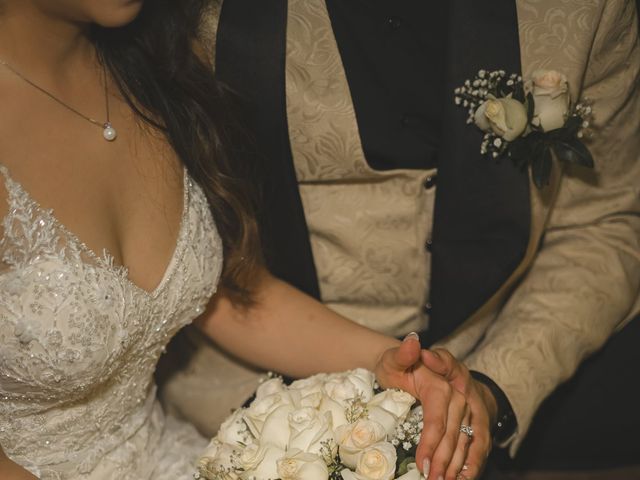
x=368 y=228
x=584 y=282
x=79 y=343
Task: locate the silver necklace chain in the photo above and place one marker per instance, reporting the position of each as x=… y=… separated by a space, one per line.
x=109 y=133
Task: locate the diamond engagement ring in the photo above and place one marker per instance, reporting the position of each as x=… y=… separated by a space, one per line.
x=467 y=430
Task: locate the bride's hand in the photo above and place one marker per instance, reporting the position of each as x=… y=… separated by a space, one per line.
x=442 y=447
x=481 y=404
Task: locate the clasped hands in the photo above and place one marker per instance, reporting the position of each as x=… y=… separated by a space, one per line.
x=450 y=398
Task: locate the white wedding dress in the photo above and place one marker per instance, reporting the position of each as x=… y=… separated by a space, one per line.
x=79 y=344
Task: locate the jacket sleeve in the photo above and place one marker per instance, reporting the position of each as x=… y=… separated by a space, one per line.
x=584 y=283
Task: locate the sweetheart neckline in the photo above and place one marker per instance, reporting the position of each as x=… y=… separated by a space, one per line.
x=107 y=260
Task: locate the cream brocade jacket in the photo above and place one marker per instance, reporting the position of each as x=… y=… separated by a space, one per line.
x=573 y=290
x=581 y=284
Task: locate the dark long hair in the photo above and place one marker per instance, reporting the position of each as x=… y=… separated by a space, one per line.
x=162 y=70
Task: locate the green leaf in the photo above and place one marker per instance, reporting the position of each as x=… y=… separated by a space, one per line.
x=521 y=151
x=573 y=151
x=541 y=165
x=403 y=467
x=531 y=107
x=573 y=125
x=518 y=93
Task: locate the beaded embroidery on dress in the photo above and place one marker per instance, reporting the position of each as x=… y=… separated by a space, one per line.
x=79 y=344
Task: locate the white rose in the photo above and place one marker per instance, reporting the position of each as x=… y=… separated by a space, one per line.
x=348 y=385
x=309 y=385
x=260 y=461
x=310 y=390
x=333 y=408
x=299 y=465
x=313 y=400
x=354 y=438
x=389 y=408
x=550 y=91
x=309 y=428
x=256 y=414
x=270 y=387
x=377 y=462
x=340 y=388
x=234 y=430
x=505 y=117
x=276 y=426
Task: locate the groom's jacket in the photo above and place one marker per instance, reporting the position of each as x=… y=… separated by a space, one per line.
x=524 y=283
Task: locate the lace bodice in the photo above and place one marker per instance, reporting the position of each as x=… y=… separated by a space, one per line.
x=79 y=341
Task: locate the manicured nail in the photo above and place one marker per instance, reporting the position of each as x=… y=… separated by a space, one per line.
x=440 y=477
x=426 y=466
x=411 y=335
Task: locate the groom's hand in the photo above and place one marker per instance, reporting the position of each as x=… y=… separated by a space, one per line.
x=481 y=403
x=442 y=448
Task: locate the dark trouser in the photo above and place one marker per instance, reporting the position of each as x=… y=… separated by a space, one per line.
x=592 y=423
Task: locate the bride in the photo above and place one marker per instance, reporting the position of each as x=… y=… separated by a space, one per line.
x=115 y=161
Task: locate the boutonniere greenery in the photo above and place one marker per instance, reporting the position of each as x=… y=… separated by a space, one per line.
x=526 y=121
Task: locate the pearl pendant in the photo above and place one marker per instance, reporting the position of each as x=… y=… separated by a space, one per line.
x=109 y=133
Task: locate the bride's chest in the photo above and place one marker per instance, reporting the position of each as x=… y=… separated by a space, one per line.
x=69 y=322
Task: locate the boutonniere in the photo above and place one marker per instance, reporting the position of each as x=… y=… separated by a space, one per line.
x=526 y=121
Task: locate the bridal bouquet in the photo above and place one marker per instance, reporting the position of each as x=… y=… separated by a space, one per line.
x=330 y=426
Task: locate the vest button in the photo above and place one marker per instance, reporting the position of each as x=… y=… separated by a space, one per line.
x=428 y=246
x=427 y=308
x=429 y=183
x=394 y=23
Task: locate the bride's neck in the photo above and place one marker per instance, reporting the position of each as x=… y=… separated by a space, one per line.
x=44 y=45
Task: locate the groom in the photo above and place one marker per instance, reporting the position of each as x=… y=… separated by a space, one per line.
x=378 y=202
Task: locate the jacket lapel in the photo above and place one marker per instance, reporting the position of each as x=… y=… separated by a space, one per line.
x=482 y=213
x=250 y=59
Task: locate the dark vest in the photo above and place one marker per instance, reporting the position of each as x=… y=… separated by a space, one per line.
x=482 y=216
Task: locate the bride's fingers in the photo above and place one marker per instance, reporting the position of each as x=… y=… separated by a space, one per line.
x=458 y=411
x=455 y=469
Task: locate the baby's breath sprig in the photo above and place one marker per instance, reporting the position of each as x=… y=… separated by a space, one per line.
x=407 y=434
x=356 y=409
x=584 y=111
x=329 y=454
x=476 y=91
x=210 y=470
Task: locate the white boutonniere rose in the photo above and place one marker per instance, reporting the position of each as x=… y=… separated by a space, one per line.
x=505 y=117
x=550 y=91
